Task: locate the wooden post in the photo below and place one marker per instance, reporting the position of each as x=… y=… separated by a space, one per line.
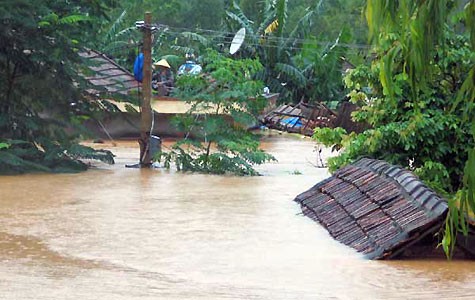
x=146 y=108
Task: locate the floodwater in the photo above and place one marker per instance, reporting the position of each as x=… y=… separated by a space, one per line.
x=118 y=233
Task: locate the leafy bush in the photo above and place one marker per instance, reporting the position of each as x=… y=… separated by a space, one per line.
x=422 y=132
x=224 y=103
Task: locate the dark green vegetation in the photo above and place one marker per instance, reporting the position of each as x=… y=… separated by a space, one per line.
x=39 y=95
x=225 y=102
x=302 y=57
x=418 y=96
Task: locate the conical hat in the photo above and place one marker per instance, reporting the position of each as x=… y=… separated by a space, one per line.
x=162 y=63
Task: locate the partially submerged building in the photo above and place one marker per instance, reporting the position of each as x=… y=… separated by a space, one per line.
x=376 y=208
x=303 y=118
x=109 y=82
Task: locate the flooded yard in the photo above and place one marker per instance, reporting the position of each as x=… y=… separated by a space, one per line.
x=119 y=233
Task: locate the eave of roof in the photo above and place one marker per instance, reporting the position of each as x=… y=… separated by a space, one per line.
x=108 y=75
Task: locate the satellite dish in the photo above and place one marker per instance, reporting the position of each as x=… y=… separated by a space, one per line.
x=237 y=41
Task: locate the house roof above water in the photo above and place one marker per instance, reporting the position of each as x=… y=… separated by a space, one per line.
x=374 y=207
x=107 y=75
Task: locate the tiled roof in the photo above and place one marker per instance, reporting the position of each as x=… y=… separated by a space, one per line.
x=374 y=207
x=108 y=76
x=301 y=118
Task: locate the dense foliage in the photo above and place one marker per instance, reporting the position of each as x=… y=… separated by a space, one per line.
x=224 y=103
x=329 y=19
x=300 y=43
x=422 y=133
x=39 y=95
x=296 y=64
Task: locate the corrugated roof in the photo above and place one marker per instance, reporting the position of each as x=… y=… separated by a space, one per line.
x=374 y=207
x=108 y=75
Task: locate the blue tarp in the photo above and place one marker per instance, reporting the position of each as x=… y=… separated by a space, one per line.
x=138 y=68
x=293 y=121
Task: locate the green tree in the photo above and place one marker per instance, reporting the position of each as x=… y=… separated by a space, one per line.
x=39 y=94
x=421 y=100
x=300 y=60
x=121 y=40
x=224 y=103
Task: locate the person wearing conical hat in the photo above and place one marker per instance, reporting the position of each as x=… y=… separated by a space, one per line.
x=162 y=63
x=162 y=79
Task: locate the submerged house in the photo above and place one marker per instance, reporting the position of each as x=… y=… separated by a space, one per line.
x=302 y=118
x=109 y=82
x=376 y=208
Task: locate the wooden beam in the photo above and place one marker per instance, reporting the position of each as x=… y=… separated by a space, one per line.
x=146 y=108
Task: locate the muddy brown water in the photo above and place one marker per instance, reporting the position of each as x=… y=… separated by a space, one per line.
x=117 y=233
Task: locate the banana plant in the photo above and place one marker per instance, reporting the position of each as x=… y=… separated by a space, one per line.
x=268 y=42
x=295 y=64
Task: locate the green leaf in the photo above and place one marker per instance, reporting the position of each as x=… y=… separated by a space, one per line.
x=73 y=19
x=44 y=23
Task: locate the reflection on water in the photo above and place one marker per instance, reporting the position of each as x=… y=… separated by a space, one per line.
x=118 y=233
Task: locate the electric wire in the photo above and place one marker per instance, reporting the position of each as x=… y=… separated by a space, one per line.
x=268 y=41
x=229 y=36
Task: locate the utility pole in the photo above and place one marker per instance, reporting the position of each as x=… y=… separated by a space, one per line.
x=146 y=108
